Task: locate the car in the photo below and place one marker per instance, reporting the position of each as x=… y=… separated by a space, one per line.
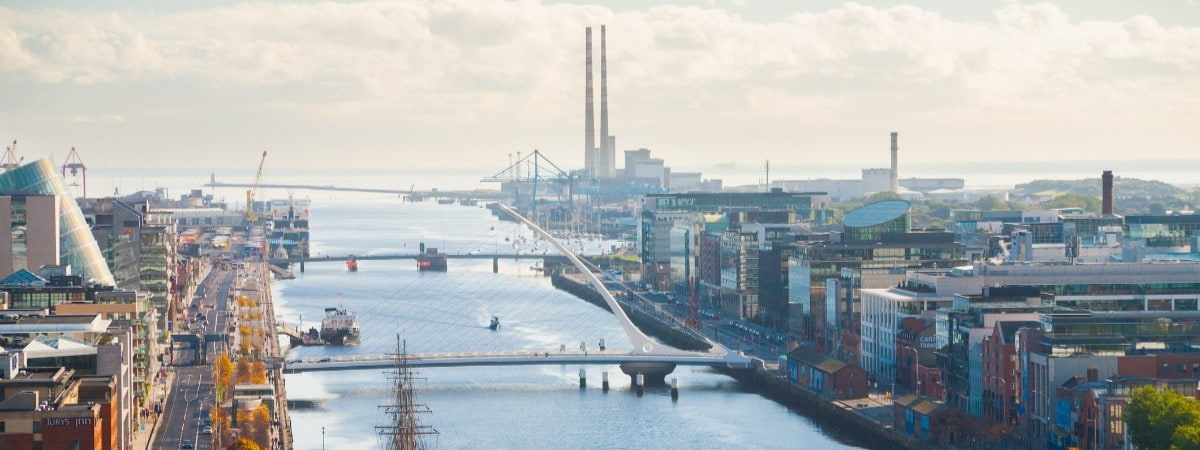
x=206 y=430
x=295 y=361
x=187 y=444
x=324 y=360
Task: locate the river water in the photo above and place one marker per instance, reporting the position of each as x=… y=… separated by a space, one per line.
x=493 y=407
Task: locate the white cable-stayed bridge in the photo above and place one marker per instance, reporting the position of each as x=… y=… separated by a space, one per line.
x=647 y=357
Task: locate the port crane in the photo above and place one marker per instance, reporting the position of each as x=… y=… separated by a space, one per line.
x=253 y=191
x=10 y=161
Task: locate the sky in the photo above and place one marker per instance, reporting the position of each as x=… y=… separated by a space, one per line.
x=465 y=83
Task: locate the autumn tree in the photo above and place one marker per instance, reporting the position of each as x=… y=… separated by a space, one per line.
x=242 y=372
x=223 y=373
x=258 y=372
x=260 y=425
x=1162 y=420
x=244 y=444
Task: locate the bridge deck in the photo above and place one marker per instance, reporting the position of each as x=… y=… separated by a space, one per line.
x=511 y=359
x=551 y=256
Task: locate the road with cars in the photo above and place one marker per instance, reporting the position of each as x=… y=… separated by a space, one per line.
x=751 y=339
x=186 y=419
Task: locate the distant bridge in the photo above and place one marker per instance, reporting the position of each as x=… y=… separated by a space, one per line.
x=482 y=195
x=545 y=256
x=514 y=358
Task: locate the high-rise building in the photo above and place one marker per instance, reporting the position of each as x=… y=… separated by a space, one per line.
x=76 y=245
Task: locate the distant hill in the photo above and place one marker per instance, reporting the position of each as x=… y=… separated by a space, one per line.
x=1122 y=188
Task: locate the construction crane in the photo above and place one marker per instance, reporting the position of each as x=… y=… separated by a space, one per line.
x=10 y=161
x=75 y=164
x=253 y=191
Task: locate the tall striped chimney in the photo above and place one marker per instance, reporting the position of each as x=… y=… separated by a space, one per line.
x=589 y=133
x=895 y=163
x=604 y=159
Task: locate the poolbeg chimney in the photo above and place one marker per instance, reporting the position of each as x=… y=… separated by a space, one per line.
x=1106 y=185
x=604 y=158
x=895 y=162
x=589 y=129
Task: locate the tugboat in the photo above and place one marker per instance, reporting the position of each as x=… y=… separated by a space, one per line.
x=352 y=264
x=495 y=325
x=340 y=327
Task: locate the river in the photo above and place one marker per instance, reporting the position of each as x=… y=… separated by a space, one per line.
x=494 y=407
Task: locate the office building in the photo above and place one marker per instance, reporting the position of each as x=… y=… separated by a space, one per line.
x=76 y=245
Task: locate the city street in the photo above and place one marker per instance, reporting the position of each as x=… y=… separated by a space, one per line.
x=192 y=395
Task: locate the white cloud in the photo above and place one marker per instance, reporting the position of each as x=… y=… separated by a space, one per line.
x=681 y=70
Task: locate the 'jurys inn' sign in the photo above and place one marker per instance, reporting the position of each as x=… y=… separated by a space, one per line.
x=69 y=422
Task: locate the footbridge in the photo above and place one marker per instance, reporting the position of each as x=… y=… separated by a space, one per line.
x=648 y=357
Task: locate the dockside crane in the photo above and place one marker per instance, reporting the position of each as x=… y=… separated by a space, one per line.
x=10 y=161
x=253 y=191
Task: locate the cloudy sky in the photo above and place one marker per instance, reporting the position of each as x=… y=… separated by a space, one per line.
x=430 y=83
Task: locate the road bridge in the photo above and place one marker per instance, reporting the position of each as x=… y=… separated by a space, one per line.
x=516 y=358
x=552 y=257
x=648 y=358
x=481 y=195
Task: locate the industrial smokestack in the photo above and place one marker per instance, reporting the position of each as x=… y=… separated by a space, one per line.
x=604 y=159
x=589 y=133
x=1106 y=181
x=895 y=163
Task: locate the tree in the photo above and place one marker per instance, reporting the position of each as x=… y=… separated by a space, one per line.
x=991 y=203
x=258 y=372
x=260 y=425
x=1185 y=437
x=1087 y=202
x=223 y=372
x=1155 y=417
x=244 y=444
x=1158 y=209
x=881 y=196
x=242 y=372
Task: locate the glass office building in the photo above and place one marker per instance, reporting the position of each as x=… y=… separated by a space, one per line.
x=871 y=222
x=77 y=246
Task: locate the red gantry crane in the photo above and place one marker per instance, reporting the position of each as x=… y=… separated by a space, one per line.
x=75 y=164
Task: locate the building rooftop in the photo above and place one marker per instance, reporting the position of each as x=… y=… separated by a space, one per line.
x=876 y=213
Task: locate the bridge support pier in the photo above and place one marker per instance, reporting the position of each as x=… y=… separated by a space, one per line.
x=655 y=372
x=495 y=265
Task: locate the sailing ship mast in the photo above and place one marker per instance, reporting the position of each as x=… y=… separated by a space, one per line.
x=405 y=431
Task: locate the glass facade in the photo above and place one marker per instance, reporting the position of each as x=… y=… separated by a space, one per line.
x=77 y=246
x=1162 y=231
x=871 y=222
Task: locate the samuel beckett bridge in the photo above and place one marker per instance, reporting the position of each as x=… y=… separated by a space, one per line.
x=651 y=359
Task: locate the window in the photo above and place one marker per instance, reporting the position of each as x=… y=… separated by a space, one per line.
x=1181 y=368
x=2 y=427
x=75 y=444
x=37 y=427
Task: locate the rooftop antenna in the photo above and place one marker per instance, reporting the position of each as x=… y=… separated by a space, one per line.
x=10 y=160
x=75 y=164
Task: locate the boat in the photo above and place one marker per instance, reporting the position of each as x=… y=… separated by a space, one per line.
x=495 y=325
x=431 y=261
x=340 y=327
x=352 y=264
